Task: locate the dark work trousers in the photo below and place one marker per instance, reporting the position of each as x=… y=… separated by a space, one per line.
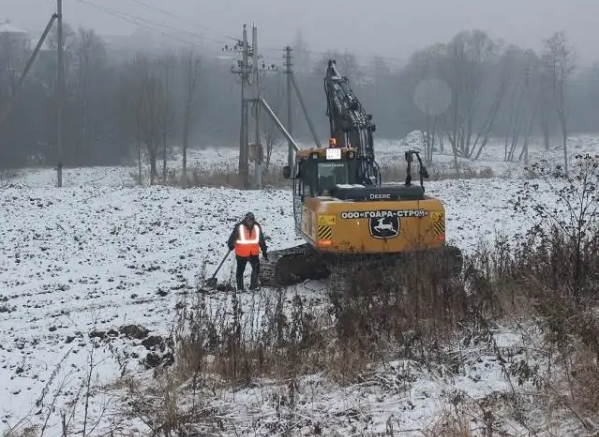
x=254 y=261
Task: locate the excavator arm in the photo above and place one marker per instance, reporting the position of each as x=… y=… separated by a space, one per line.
x=350 y=125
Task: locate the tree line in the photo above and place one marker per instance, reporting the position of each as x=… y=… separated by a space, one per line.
x=123 y=106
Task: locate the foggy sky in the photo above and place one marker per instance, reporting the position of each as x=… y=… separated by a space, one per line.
x=391 y=28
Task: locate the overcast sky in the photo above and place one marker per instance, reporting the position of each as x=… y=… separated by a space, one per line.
x=392 y=28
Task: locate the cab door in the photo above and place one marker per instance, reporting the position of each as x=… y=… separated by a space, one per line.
x=298 y=194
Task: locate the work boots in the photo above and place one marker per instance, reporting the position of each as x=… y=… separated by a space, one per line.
x=254 y=280
x=254 y=286
x=240 y=286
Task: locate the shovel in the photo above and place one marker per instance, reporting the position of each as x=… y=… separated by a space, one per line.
x=213 y=281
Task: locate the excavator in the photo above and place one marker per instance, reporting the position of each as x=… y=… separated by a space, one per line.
x=345 y=214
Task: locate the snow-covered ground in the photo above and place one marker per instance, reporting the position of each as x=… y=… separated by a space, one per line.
x=98 y=254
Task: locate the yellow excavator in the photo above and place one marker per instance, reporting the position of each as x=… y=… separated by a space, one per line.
x=345 y=213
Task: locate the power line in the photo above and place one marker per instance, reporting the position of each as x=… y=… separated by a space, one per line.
x=331 y=51
x=132 y=19
x=323 y=53
x=129 y=17
x=170 y=14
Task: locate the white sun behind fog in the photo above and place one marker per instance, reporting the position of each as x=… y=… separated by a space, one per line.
x=432 y=96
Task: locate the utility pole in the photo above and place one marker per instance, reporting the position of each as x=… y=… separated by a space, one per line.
x=15 y=91
x=249 y=68
x=292 y=84
x=60 y=91
x=288 y=72
x=242 y=69
x=256 y=83
x=243 y=145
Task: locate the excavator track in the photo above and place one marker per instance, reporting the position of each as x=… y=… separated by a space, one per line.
x=365 y=274
x=294 y=265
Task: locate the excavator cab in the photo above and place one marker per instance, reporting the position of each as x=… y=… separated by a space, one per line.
x=318 y=171
x=325 y=172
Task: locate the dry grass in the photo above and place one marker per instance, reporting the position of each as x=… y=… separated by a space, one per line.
x=397 y=173
x=226 y=175
x=549 y=278
x=413 y=316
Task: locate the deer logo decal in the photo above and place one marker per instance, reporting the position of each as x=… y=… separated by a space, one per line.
x=384 y=227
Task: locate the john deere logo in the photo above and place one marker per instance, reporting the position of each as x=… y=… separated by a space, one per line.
x=384 y=227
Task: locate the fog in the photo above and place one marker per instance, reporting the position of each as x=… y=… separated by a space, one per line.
x=381 y=27
x=144 y=77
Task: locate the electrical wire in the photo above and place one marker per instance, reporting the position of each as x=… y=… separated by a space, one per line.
x=172 y=15
x=231 y=38
x=136 y=20
x=131 y=17
x=194 y=23
x=331 y=51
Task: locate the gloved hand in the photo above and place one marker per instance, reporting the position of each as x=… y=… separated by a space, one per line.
x=231 y=246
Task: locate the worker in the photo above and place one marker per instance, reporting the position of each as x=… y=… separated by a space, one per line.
x=247 y=239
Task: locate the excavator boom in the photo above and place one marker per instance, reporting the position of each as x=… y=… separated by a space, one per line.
x=350 y=125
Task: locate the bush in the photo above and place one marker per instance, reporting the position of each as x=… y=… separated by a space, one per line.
x=223 y=176
x=397 y=173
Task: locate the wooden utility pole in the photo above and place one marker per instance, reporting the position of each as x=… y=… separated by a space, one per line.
x=243 y=69
x=248 y=69
x=60 y=91
x=15 y=91
x=256 y=96
x=292 y=84
x=288 y=73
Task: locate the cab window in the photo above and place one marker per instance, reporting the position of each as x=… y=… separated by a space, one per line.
x=306 y=176
x=331 y=174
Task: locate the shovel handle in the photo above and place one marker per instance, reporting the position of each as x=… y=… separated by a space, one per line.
x=220 y=265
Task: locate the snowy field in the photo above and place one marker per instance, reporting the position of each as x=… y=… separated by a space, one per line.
x=99 y=255
x=387 y=153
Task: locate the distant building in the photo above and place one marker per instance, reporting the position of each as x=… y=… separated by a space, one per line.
x=15 y=34
x=10 y=29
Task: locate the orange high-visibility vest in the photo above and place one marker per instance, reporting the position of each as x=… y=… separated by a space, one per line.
x=248 y=243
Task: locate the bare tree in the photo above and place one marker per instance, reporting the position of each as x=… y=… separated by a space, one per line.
x=430 y=95
x=546 y=112
x=349 y=66
x=69 y=46
x=165 y=68
x=149 y=100
x=90 y=54
x=559 y=61
x=190 y=69
x=154 y=115
x=469 y=69
x=523 y=101
x=12 y=60
x=132 y=97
